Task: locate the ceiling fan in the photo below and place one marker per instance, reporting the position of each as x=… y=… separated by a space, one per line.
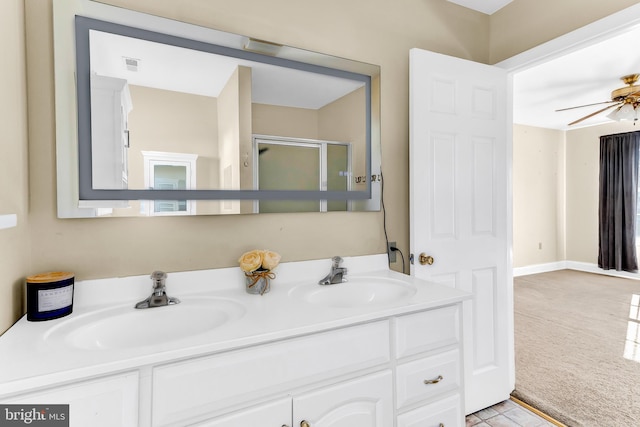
x=626 y=99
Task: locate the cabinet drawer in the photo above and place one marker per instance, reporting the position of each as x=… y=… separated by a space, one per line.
x=274 y=414
x=425 y=331
x=446 y=412
x=200 y=386
x=102 y=402
x=443 y=369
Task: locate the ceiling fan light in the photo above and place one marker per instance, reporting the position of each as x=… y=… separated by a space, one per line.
x=614 y=114
x=626 y=112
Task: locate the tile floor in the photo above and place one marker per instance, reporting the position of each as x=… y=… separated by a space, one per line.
x=506 y=414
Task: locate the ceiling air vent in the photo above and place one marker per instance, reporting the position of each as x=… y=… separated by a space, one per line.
x=131 y=63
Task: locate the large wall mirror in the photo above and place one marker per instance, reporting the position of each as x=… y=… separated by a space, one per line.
x=158 y=117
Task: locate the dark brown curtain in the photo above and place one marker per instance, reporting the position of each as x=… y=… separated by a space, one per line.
x=618 y=200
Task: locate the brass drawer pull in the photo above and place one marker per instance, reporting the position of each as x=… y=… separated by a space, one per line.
x=304 y=423
x=436 y=381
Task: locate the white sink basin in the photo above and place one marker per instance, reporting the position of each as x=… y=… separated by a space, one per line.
x=126 y=327
x=357 y=292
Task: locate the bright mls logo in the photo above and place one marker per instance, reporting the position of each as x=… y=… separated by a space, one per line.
x=34 y=415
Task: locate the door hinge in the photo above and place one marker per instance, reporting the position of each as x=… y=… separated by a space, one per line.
x=411 y=259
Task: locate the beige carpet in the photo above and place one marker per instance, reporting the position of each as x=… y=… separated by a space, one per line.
x=571 y=334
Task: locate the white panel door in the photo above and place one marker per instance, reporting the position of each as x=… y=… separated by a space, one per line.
x=364 y=402
x=459 y=207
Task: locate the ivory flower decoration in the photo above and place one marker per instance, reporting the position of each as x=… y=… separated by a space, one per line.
x=270 y=259
x=250 y=261
x=259 y=260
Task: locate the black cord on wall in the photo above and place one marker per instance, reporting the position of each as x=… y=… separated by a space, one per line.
x=384 y=226
x=393 y=248
x=384 y=216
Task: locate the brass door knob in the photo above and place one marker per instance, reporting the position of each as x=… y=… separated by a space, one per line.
x=426 y=259
x=303 y=423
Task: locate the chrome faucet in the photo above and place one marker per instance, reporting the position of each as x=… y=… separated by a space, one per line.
x=159 y=296
x=337 y=274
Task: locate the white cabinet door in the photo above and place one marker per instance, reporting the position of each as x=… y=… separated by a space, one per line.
x=273 y=414
x=105 y=402
x=364 y=402
x=196 y=387
x=460 y=204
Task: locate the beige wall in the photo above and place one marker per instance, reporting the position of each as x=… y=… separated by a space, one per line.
x=175 y=122
x=284 y=121
x=538 y=202
x=345 y=120
x=538 y=195
x=14 y=195
x=234 y=135
x=245 y=96
x=164 y=120
x=375 y=31
x=555 y=193
x=524 y=24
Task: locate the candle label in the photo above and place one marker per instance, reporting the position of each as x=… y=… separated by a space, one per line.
x=54 y=299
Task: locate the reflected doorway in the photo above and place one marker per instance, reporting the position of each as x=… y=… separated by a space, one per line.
x=169 y=171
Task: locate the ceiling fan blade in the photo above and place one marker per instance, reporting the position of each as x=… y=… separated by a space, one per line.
x=587 y=105
x=594 y=113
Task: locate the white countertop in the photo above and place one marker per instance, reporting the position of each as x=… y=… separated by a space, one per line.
x=31 y=361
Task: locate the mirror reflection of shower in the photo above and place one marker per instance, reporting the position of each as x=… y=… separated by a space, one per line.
x=301 y=164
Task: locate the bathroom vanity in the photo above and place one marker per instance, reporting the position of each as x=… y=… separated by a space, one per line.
x=383 y=349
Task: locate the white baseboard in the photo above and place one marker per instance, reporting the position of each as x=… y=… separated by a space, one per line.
x=539 y=268
x=593 y=268
x=572 y=265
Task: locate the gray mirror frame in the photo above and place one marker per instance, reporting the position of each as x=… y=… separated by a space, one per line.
x=83 y=25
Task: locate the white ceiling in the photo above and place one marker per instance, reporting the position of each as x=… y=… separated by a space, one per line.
x=185 y=70
x=484 y=6
x=586 y=76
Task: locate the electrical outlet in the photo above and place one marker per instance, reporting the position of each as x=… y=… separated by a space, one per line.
x=392 y=254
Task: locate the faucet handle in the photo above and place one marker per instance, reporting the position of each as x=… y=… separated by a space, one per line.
x=158 y=278
x=336 y=261
x=158 y=275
